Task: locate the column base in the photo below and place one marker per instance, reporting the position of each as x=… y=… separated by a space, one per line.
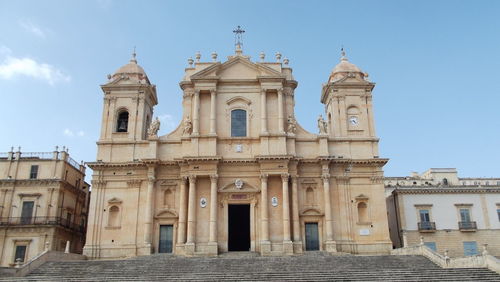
x=288 y=247
x=265 y=248
x=189 y=249
x=297 y=247
x=212 y=249
x=145 y=250
x=179 y=249
x=331 y=246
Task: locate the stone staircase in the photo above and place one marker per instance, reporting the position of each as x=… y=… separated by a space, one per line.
x=248 y=267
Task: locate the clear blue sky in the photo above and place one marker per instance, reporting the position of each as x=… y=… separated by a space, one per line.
x=436 y=65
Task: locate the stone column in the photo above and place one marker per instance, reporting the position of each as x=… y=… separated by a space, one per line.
x=265 y=244
x=213 y=105
x=181 y=229
x=287 y=242
x=212 y=242
x=330 y=244
x=281 y=122
x=295 y=216
x=263 y=112
x=148 y=222
x=191 y=222
x=196 y=113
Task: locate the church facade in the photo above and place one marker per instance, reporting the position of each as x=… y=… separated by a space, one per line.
x=239 y=173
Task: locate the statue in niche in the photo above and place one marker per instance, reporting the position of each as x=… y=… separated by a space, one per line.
x=188 y=126
x=292 y=125
x=322 y=125
x=154 y=127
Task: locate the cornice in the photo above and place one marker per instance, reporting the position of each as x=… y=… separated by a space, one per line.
x=447 y=190
x=29 y=182
x=101 y=165
x=273 y=157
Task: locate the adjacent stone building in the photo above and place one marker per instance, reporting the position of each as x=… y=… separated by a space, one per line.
x=239 y=173
x=43 y=204
x=450 y=213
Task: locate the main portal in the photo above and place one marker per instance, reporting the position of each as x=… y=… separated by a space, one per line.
x=239 y=227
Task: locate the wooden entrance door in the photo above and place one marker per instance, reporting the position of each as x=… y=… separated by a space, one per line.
x=312 y=238
x=166 y=239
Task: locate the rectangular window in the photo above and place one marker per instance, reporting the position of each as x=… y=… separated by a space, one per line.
x=431 y=245
x=27 y=212
x=464 y=215
x=424 y=216
x=34 y=172
x=20 y=253
x=470 y=248
x=238 y=123
x=498 y=213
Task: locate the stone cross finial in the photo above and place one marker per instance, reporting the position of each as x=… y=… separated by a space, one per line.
x=133 y=59
x=238 y=37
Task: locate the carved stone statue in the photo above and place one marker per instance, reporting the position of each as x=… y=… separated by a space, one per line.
x=154 y=127
x=188 y=126
x=322 y=125
x=292 y=124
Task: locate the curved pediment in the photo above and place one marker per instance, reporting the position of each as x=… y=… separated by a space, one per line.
x=114 y=200
x=311 y=211
x=166 y=213
x=237 y=99
x=234 y=186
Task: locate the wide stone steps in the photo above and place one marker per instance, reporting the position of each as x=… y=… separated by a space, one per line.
x=308 y=267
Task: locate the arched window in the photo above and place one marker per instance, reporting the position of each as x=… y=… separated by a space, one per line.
x=445 y=182
x=362 y=212
x=122 y=122
x=114 y=216
x=238 y=123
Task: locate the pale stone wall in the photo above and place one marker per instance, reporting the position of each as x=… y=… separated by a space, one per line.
x=157 y=180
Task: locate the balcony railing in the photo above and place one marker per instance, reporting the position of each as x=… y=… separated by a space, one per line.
x=467 y=225
x=41 y=220
x=427 y=226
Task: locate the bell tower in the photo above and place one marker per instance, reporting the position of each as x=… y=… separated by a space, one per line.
x=348 y=104
x=129 y=98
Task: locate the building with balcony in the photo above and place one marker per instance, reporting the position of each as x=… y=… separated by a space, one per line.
x=43 y=204
x=450 y=213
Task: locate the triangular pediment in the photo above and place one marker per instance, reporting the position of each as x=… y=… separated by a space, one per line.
x=238 y=67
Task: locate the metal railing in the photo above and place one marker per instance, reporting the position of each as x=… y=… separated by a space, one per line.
x=73 y=163
x=426 y=226
x=41 y=220
x=467 y=225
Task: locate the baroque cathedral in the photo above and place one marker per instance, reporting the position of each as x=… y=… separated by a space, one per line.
x=239 y=173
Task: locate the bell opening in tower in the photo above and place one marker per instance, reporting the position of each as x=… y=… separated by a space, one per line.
x=239 y=228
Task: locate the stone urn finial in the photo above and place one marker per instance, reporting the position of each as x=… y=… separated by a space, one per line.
x=214 y=56
x=286 y=61
x=198 y=56
x=190 y=62
x=278 y=57
x=262 y=56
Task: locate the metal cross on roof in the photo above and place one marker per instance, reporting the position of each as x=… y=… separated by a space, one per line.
x=238 y=36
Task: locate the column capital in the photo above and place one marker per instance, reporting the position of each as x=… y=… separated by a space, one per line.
x=184 y=179
x=214 y=178
x=151 y=179
x=192 y=178
x=197 y=92
x=294 y=177
x=264 y=176
x=325 y=177
x=285 y=176
x=263 y=90
x=213 y=91
x=280 y=91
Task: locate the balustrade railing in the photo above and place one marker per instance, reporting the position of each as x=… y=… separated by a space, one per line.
x=467 y=225
x=426 y=226
x=41 y=220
